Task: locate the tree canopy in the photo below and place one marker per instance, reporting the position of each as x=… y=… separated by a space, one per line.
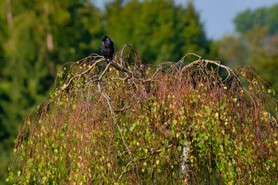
x=124 y=122
x=256 y=43
x=266 y=16
x=159 y=30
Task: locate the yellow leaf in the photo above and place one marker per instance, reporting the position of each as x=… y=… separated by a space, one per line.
x=157 y=162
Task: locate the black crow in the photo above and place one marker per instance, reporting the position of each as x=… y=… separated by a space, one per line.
x=107 y=47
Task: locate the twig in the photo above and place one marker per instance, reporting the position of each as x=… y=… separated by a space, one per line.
x=125 y=170
x=79 y=75
x=115 y=123
x=104 y=71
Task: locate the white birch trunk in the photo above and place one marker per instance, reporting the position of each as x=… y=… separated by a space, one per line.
x=185 y=164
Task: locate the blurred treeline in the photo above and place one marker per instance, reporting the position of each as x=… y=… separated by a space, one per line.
x=255 y=43
x=36 y=37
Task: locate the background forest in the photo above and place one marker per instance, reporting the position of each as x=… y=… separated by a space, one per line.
x=37 y=37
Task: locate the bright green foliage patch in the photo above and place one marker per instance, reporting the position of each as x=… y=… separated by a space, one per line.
x=126 y=122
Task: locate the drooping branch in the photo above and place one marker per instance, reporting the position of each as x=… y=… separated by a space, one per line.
x=109 y=116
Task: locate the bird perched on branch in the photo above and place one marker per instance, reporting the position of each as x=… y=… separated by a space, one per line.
x=107 y=48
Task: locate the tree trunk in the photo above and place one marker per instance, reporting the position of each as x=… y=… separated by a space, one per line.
x=9 y=14
x=185 y=164
x=49 y=36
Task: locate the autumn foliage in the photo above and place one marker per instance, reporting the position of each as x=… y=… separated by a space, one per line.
x=126 y=122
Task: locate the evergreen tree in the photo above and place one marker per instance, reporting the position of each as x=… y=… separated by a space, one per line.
x=160 y=30
x=195 y=40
